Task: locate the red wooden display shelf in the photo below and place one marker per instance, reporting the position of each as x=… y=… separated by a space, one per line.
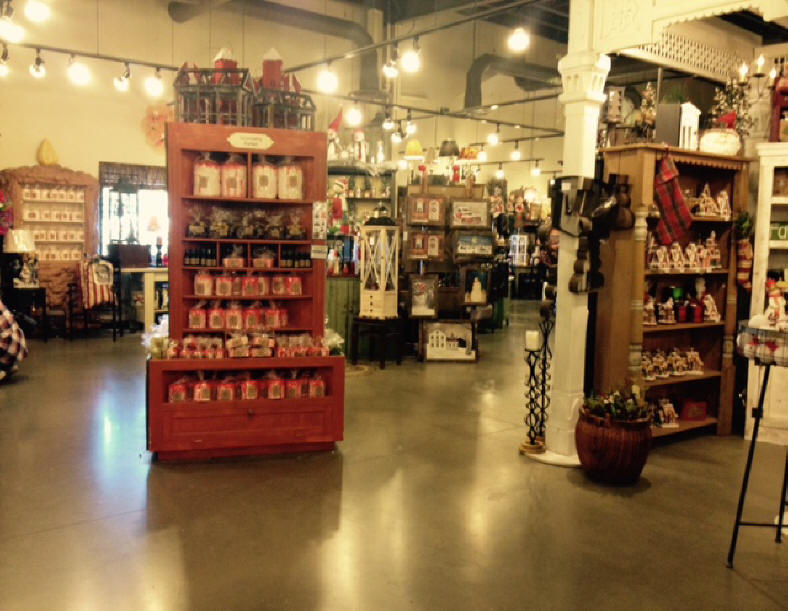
x=252 y=200
x=225 y=330
x=247 y=298
x=189 y=430
x=268 y=270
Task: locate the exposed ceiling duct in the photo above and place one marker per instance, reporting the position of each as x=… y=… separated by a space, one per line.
x=181 y=11
x=529 y=77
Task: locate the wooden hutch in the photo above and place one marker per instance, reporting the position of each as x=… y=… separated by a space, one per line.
x=190 y=429
x=621 y=336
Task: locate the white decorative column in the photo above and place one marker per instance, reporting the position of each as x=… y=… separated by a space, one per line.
x=583 y=74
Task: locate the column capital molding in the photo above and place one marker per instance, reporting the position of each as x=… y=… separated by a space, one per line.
x=583 y=75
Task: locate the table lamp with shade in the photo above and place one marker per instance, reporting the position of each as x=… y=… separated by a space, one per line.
x=19 y=266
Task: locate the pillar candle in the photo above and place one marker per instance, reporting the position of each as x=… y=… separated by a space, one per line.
x=532 y=340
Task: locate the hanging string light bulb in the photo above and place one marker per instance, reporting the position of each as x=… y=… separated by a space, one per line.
x=78 y=73
x=390 y=70
x=499 y=172
x=388 y=122
x=536 y=170
x=519 y=40
x=411 y=59
x=482 y=156
x=154 y=86
x=10 y=31
x=410 y=127
x=515 y=154
x=493 y=138
x=37 y=68
x=37 y=11
x=327 y=80
x=122 y=82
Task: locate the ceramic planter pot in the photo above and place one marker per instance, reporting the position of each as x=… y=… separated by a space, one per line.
x=612 y=451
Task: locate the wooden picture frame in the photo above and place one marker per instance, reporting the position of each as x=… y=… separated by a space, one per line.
x=423 y=296
x=472 y=245
x=426 y=245
x=475 y=283
x=470 y=214
x=448 y=340
x=426 y=210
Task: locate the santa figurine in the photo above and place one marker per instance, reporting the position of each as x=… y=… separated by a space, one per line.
x=775 y=311
x=334 y=147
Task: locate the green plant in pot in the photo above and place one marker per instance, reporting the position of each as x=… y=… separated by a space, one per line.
x=613 y=436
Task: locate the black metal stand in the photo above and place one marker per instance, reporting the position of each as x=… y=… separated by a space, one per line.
x=537 y=392
x=757 y=414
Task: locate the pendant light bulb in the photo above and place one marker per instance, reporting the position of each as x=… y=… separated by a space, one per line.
x=493 y=138
x=154 y=86
x=411 y=59
x=78 y=73
x=411 y=128
x=536 y=170
x=482 y=156
x=327 y=80
x=519 y=40
x=10 y=31
x=354 y=117
x=515 y=154
x=390 y=70
x=396 y=137
x=499 y=172
x=122 y=82
x=37 y=11
x=37 y=68
x=388 y=122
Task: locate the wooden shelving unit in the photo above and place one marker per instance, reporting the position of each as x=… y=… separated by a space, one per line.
x=620 y=334
x=193 y=429
x=769 y=255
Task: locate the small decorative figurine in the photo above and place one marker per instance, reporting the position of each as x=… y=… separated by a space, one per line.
x=668 y=416
x=678 y=363
x=707 y=205
x=647 y=367
x=692 y=263
x=704 y=261
x=694 y=362
x=710 y=313
x=677 y=262
x=660 y=364
x=649 y=311
x=723 y=204
x=713 y=251
x=667 y=315
x=775 y=310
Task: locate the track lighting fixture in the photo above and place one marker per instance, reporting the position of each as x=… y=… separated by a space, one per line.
x=37 y=68
x=122 y=82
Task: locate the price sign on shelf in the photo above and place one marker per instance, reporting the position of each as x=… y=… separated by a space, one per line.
x=247 y=140
x=319 y=220
x=319 y=251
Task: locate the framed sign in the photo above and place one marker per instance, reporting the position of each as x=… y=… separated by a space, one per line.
x=472 y=245
x=427 y=210
x=423 y=296
x=425 y=245
x=469 y=214
x=475 y=284
x=448 y=340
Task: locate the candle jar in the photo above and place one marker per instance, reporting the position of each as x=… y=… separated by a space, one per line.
x=203 y=284
x=250 y=389
x=291 y=181
x=234 y=177
x=224 y=286
x=264 y=180
x=207 y=177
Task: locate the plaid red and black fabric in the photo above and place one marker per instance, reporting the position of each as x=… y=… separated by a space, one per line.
x=13 y=348
x=675 y=218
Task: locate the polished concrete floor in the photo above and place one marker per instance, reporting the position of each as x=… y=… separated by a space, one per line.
x=425 y=505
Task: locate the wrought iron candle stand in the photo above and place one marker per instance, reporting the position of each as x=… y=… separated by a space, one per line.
x=537 y=393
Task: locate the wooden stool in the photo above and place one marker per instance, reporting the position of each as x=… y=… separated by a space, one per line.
x=380 y=330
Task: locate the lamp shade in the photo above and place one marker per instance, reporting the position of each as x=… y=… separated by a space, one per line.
x=19 y=240
x=413 y=150
x=449 y=148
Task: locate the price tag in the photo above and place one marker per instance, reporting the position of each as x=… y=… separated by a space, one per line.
x=319 y=251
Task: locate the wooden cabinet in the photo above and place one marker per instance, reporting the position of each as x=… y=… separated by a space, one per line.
x=771 y=253
x=621 y=336
x=60 y=207
x=194 y=429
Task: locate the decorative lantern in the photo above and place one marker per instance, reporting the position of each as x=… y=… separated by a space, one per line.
x=379 y=246
x=688 y=126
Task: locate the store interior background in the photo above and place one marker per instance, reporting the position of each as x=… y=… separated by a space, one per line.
x=97 y=123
